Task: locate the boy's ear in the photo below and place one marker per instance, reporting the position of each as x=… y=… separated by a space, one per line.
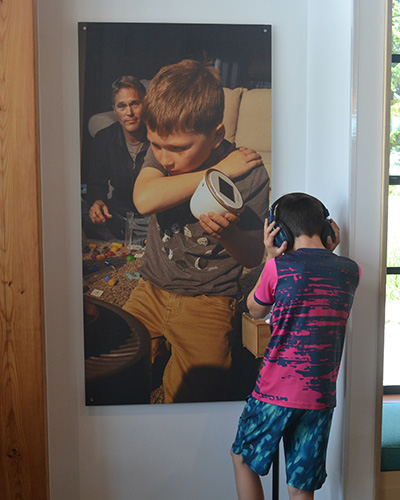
x=219 y=134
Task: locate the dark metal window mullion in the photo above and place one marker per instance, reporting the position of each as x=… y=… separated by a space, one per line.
x=393 y=270
x=394 y=180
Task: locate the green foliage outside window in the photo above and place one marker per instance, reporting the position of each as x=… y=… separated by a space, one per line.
x=395 y=83
x=395 y=27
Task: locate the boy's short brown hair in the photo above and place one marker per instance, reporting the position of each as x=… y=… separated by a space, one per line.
x=302 y=214
x=184 y=97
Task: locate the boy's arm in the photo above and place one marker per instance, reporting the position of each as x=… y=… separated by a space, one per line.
x=155 y=192
x=246 y=247
x=256 y=309
x=331 y=245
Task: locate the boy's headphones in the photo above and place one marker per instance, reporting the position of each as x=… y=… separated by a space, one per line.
x=285 y=234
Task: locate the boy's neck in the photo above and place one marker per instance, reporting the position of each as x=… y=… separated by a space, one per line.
x=215 y=157
x=305 y=241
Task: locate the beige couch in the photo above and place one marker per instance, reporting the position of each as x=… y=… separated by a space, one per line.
x=247 y=120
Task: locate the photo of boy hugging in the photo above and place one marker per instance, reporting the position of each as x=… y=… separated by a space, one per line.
x=189 y=283
x=311 y=291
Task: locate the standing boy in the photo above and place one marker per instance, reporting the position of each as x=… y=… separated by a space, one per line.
x=312 y=291
x=191 y=271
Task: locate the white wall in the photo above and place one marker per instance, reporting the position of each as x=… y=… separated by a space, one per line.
x=182 y=451
x=367 y=210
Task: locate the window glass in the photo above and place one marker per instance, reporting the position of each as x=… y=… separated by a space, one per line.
x=391 y=371
x=394 y=168
x=391 y=375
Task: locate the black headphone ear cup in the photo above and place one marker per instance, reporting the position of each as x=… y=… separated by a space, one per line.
x=285 y=234
x=327 y=231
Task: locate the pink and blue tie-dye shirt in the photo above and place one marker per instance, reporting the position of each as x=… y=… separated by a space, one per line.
x=312 y=291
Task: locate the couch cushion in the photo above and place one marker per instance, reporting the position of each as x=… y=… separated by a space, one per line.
x=100 y=121
x=390 y=458
x=254 y=121
x=232 y=103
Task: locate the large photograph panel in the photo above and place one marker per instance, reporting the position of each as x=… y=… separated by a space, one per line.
x=124 y=362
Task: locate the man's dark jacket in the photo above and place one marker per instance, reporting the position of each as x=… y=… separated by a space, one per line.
x=111 y=164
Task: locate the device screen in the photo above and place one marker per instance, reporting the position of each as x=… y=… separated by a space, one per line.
x=226 y=189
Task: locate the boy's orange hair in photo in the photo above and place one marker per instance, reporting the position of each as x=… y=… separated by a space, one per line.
x=184 y=97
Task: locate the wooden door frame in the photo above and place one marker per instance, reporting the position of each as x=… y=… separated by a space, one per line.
x=23 y=428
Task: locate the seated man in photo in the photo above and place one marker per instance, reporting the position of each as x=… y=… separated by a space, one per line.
x=117 y=156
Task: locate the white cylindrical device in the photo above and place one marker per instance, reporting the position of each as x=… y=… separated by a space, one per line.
x=216 y=193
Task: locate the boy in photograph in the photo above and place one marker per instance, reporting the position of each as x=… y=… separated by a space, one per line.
x=187 y=297
x=311 y=291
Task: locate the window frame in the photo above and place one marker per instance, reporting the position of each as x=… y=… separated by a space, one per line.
x=394 y=180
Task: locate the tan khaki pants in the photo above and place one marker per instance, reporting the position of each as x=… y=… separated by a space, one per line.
x=197 y=330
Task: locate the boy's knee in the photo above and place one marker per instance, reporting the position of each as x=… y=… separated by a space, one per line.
x=236 y=459
x=296 y=494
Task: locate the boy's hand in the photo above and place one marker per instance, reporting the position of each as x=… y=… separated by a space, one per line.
x=331 y=245
x=246 y=247
x=239 y=162
x=269 y=234
x=99 y=212
x=218 y=226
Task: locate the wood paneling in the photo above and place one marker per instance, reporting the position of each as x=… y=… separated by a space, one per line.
x=23 y=443
x=390 y=485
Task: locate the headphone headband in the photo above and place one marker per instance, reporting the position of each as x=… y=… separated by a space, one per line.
x=285 y=234
x=274 y=206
